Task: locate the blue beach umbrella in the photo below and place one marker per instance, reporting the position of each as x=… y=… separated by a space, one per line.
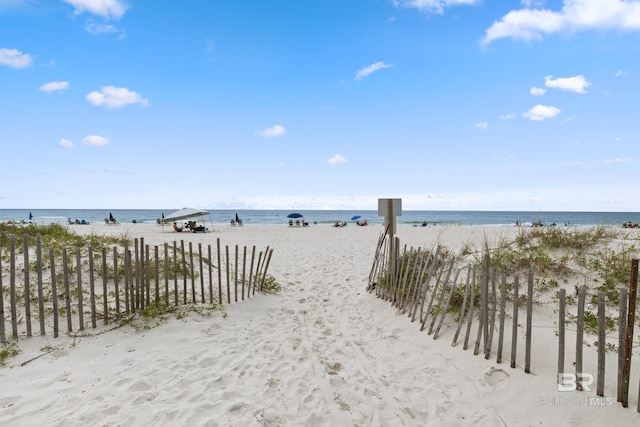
x=353 y=218
x=294 y=215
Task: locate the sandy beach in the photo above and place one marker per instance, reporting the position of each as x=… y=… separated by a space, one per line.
x=323 y=352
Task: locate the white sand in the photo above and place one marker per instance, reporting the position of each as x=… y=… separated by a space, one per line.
x=322 y=353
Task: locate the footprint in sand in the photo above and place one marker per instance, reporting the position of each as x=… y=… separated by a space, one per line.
x=496 y=378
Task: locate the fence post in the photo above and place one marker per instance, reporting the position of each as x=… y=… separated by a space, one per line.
x=622 y=333
x=176 y=294
x=147 y=274
x=244 y=268
x=503 y=291
x=115 y=279
x=601 y=343
x=628 y=345
x=235 y=274
x=3 y=337
x=105 y=301
x=253 y=256
x=561 y=332
x=226 y=267
x=485 y=305
x=40 y=290
x=193 y=276
x=54 y=292
x=184 y=273
x=92 y=289
x=219 y=273
x=580 y=336
x=527 y=358
x=202 y=299
x=157 y=273
x=514 y=327
x=67 y=297
x=27 y=292
x=166 y=273
x=210 y=274
x=79 y=279
x=12 y=285
x=136 y=273
x=128 y=299
x=266 y=266
x=494 y=308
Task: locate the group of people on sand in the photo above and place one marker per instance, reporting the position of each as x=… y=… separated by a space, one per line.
x=630 y=225
x=340 y=224
x=539 y=223
x=191 y=226
x=77 y=221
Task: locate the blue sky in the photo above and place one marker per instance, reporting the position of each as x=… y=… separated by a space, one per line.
x=326 y=104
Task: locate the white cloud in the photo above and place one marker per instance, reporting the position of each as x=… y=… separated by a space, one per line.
x=542 y=112
x=371 y=69
x=537 y=91
x=65 y=143
x=54 y=86
x=115 y=97
x=14 y=58
x=108 y=9
x=434 y=6
x=509 y=116
x=95 y=141
x=272 y=132
x=336 y=159
x=96 y=29
x=576 y=15
x=482 y=125
x=571 y=84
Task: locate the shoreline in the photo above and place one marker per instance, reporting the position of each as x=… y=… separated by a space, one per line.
x=321 y=217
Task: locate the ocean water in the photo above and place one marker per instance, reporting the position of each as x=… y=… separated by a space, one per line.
x=331 y=216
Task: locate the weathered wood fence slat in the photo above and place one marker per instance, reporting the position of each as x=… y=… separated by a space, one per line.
x=424 y=284
x=146 y=273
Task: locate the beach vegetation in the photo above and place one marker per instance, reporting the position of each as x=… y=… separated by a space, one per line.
x=53 y=236
x=598 y=257
x=159 y=312
x=8 y=350
x=591 y=322
x=270 y=285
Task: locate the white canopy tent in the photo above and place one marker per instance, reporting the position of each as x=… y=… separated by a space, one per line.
x=187 y=213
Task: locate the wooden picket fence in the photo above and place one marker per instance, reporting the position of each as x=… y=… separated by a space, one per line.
x=110 y=283
x=429 y=287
